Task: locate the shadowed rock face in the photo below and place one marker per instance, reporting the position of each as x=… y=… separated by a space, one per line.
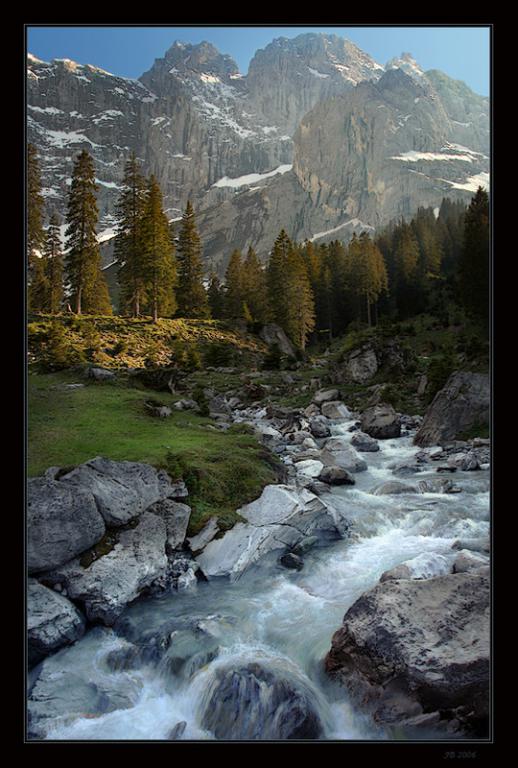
x=409 y=648
x=316 y=102
x=460 y=405
x=252 y=702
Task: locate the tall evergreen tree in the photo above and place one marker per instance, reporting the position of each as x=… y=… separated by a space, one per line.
x=215 y=297
x=277 y=274
x=191 y=294
x=474 y=264
x=300 y=308
x=234 y=289
x=53 y=260
x=35 y=205
x=158 y=270
x=255 y=287
x=83 y=260
x=127 y=247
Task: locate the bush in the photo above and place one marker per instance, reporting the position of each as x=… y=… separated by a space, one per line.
x=59 y=352
x=218 y=355
x=272 y=359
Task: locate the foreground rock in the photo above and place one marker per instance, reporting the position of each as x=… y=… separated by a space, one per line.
x=381 y=422
x=137 y=561
x=52 y=621
x=412 y=648
x=424 y=566
x=336 y=476
x=364 y=443
x=253 y=702
x=459 y=406
x=279 y=519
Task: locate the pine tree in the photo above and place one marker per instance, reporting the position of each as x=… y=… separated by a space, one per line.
x=158 y=271
x=300 y=308
x=366 y=275
x=215 y=297
x=53 y=259
x=39 y=286
x=128 y=247
x=35 y=205
x=234 y=291
x=277 y=278
x=474 y=263
x=191 y=294
x=255 y=288
x=83 y=260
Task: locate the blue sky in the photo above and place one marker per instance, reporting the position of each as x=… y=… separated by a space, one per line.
x=461 y=52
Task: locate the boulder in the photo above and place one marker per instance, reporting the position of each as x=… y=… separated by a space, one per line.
x=361 y=364
x=459 y=406
x=339 y=452
x=52 y=621
x=319 y=427
x=177 y=731
x=468 y=561
x=481 y=544
x=62 y=521
x=392 y=487
x=336 y=409
x=406 y=469
x=437 y=485
x=424 y=566
x=252 y=702
x=176 y=517
x=273 y=334
x=311 y=410
x=381 y=422
x=363 y=442
x=326 y=396
x=208 y=532
x=100 y=374
x=137 y=561
x=411 y=647
x=336 y=476
x=467 y=462
x=292 y=560
x=281 y=517
x=310 y=467
x=122 y=489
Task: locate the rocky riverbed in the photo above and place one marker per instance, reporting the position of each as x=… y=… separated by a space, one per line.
x=137 y=632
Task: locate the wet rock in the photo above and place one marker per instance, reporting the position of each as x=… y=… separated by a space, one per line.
x=52 y=621
x=424 y=566
x=467 y=462
x=411 y=647
x=122 y=489
x=177 y=731
x=319 y=427
x=480 y=544
x=208 y=532
x=252 y=702
x=437 y=485
x=136 y=562
x=336 y=476
x=310 y=467
x=62 y=522
x=381 y=422
x=325 y=396
x=311 y=410
x=309 y=542
x=336 y=409
x=393 y=487
x=339 y=452
x=468 y=561
x=460 y=405
x=405 y=470
x=292 y=560
x=363 y=442
x=176 y=517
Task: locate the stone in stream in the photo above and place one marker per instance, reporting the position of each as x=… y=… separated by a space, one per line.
x=336 y=476
x=336 y=410
x=339 y=452
x=177 y=731
x=393 y=487
x=411 y=647
x=468 y=561
x=381 y=422
x=363 y=442
x=52 y=621
x=479 y=544
x=319 y=427
x=292 y=560
x=424 y=566
x=325 y=396
x=252 y=702
x=310 y=467
x=437 y=485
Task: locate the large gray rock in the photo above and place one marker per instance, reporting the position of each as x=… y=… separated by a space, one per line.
x=319 y=427
x=468 y=561
x=411 y=647
x=364 y=443
x=326 y=396
x=122 y=489
x=339 y=452
x=62 y=521
x=207 y=533
x=137 y=562
x=273 y=334
x=381 y=422
x=176 y=517
x=336 y=409
x=253 y=702
x=52 y=621
x=424 y=566
x=460 y=405
x=336 y=476
x=281 y=517
x=361 y=364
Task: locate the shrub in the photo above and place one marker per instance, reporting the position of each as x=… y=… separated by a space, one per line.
x=272 y=359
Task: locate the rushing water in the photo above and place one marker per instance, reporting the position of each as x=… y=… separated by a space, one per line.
x=282 y=619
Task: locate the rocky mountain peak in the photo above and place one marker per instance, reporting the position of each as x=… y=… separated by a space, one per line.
x=202 y=58
x=407 y=64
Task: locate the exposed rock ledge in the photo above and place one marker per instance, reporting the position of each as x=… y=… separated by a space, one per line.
x=416 y=654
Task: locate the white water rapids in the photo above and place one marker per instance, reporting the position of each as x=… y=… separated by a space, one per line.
x=282 y=618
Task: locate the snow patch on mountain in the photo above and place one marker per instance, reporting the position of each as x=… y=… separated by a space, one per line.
x=251 y=178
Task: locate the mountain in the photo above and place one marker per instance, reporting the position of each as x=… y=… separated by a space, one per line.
x=317 y=138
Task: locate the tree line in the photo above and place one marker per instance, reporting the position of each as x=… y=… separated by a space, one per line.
x=306 y=288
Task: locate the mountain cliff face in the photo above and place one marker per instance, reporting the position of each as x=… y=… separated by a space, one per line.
x=317 y=138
